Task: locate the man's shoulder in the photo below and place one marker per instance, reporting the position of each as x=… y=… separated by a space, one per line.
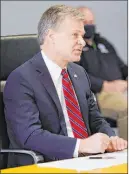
x=78 y=69
x=98 y=38
x=104 y=44
x=25 y=68
x=76 y=66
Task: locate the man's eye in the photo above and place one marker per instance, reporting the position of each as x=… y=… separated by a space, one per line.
x=75 y=35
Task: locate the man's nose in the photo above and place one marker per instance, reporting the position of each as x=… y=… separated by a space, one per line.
x=81 y=41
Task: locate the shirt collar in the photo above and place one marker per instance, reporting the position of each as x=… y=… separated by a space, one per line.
x=54 y=69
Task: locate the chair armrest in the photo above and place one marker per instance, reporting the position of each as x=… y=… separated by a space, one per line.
x=35 y=157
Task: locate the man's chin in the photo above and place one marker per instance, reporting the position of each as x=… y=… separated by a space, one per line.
x=74 y=58
x=77 y=58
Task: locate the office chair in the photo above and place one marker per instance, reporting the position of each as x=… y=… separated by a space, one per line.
x=15 y=50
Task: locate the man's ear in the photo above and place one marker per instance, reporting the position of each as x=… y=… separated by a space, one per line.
x=51 y=35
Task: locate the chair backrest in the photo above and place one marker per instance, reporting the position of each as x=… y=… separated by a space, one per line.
x=15 y=50
x=4 y=141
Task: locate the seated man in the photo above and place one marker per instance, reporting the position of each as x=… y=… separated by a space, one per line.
x=45 y=108
x=107 y=73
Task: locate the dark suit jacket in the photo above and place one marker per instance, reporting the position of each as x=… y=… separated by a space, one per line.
x=34 y=114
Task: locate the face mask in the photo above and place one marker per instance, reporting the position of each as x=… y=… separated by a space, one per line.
x=90 y=31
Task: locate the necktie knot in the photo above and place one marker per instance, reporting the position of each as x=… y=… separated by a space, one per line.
x=64 y=73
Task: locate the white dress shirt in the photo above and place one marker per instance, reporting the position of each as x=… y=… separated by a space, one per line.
x=55 y=72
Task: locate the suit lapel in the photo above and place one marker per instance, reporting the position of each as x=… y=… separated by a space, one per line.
x=74 y=76
x=47 y=82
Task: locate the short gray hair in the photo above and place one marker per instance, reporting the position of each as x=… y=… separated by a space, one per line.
x=52 y=17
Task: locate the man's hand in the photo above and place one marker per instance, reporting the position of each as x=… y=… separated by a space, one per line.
x=116 y=144
x=96 y=143
x=115 y=86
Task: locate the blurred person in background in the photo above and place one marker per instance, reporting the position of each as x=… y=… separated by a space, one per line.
x=107 y=73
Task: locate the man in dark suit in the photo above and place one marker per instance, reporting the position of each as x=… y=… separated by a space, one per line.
x=46 y=110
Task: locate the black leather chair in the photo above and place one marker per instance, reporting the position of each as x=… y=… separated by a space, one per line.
x=15 y=50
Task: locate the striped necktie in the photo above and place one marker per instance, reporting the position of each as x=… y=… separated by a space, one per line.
x=73 y=109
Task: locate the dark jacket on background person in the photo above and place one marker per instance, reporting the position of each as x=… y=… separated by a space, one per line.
x=102 y=63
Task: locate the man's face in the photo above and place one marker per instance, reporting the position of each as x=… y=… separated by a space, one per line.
x=89 y=17
x=69 y=39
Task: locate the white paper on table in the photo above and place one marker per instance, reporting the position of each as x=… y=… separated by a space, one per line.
x=84 y=163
